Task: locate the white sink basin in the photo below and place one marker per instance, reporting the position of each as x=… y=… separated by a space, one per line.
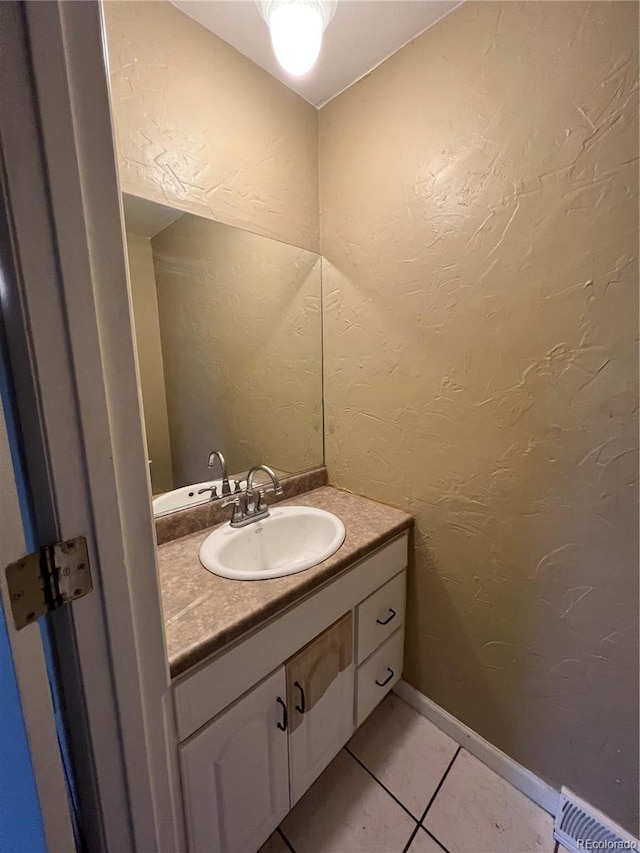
x=187 y=496
x=290 y=540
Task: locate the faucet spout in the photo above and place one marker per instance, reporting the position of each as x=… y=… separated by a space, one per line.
x=277 y=487
x=217 y=455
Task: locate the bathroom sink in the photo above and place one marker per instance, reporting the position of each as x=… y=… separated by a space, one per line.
x=187 y=496
x=290 y=540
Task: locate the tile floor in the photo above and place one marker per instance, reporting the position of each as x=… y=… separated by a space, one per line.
x=401 y=784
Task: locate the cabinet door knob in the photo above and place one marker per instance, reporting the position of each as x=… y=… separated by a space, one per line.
x=389 y=618
x=387 y=679
x=283 y=725
x=301 y=707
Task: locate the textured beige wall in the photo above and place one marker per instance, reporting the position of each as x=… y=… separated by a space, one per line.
x=147 y=327
x=479 y=221
x=201 y=128
x=242 y=347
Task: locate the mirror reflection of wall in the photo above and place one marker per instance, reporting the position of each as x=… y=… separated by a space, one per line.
x=229 y=337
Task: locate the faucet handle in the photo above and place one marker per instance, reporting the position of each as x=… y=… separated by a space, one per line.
x=238 y=514
x=262 y=492
x=213 y=489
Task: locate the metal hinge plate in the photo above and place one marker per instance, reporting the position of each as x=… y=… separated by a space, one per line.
x=48 y=579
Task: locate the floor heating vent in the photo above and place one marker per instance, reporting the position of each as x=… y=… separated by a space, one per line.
x=580 y=827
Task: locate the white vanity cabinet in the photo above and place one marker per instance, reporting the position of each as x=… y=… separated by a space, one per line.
x=235 y=773
x=317 y=670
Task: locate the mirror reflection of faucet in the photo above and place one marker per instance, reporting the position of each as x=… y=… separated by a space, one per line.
x=216 y=456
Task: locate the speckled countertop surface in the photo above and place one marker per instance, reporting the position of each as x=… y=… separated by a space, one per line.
x=204 y=612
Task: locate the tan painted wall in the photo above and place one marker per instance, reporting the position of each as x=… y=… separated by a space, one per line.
x=201 y=128
x=147 y=328
x=242 y=347
x=479 y=213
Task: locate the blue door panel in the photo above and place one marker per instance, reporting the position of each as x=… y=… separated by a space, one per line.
x=21 y=829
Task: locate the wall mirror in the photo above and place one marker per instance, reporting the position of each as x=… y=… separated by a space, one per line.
x=229 y=336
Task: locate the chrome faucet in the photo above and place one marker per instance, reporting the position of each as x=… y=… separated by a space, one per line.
x=262 y=504
x=247 y=511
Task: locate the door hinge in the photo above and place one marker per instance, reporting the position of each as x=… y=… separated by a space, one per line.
x=48 y=579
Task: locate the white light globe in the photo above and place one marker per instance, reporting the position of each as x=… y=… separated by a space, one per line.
x=296 y=35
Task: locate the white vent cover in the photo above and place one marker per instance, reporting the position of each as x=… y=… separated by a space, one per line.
x=579 y=827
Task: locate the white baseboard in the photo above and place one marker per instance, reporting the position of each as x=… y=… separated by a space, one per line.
x=524 y=780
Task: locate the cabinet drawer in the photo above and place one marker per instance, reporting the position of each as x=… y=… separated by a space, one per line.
x=377 y=675
x=380 y=615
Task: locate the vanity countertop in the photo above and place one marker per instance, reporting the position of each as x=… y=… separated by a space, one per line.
x=204 y=612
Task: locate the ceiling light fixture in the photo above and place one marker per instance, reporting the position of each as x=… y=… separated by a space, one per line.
x=296 y=28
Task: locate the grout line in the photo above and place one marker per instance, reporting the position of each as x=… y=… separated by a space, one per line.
x=411 y=837
x=426 y=831
x=285 y=839
x=393 y=796
x=433 y=838
x=440 y=784
x=429 y=804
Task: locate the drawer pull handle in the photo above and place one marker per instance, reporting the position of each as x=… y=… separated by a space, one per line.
x=389 y=618
x=283 y=725
x=302 y=704
x=387 y=679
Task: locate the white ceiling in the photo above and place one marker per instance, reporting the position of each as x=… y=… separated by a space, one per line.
x=362 y=34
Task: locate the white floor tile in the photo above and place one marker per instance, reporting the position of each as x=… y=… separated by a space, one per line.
x=405 y=751
x=274 y=844
x=478 y=812
x=346 y=811
x=423 y=844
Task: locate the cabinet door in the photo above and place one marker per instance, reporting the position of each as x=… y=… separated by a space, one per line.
x=320 y=689
x=235 y=773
